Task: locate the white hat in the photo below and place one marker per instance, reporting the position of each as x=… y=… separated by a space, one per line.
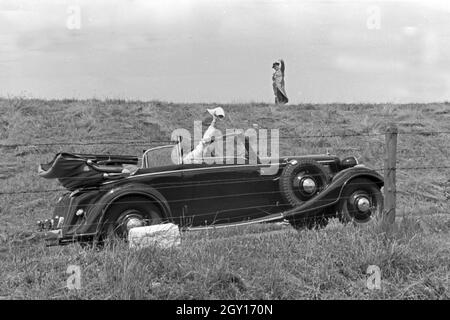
x=217 y=112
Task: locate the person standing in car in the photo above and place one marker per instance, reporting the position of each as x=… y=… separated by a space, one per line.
x=278 y=82
x=199 y=152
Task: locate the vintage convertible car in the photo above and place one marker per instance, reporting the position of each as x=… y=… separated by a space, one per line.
x=108 y=194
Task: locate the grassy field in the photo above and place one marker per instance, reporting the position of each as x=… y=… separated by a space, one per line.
x=254 y=262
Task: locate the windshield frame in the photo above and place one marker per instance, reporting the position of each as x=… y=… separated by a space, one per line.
x=145 y=163
x=205 y=160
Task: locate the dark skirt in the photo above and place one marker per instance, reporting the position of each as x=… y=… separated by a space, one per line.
x=281 y=98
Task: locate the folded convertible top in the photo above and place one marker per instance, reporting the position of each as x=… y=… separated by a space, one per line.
x=76 y=171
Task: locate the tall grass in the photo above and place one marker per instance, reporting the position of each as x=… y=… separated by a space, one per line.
x=241 y=263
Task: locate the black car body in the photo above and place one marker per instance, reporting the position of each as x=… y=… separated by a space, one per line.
x=103 y=198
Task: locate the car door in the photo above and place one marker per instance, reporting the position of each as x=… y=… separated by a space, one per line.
x=223 y=193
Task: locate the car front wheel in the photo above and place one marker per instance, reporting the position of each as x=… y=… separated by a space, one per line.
x=361 y=202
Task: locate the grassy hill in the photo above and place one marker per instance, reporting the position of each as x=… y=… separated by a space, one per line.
x=262 y=262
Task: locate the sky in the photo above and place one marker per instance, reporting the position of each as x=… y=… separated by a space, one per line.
x=222 y=51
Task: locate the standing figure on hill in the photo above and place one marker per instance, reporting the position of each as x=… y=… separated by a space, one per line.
x=278 y=82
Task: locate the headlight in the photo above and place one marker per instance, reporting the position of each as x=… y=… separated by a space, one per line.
x=349 y=162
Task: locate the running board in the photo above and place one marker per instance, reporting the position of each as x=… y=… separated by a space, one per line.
x=270 y=218
x=300 y=210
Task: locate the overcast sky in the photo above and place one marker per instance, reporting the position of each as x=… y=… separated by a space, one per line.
x=222 y=51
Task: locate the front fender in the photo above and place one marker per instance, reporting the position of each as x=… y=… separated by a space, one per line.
x=359 y=171
x=332 y=194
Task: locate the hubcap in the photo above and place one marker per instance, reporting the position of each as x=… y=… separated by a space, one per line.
x=305 y=186
x=309 y=186
x=363 y=204
x=134 y=223
x=128 y=220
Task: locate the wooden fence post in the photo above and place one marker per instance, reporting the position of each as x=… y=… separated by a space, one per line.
x=389 y=177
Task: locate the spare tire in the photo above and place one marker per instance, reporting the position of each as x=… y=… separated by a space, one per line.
x=301 y=180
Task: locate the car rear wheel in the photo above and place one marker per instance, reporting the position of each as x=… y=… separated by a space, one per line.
x=361 y=202
x=128 y=213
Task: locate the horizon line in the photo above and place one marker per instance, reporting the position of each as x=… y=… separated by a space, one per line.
x=133 y=100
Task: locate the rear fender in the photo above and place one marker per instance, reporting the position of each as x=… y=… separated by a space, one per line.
x=97 y=215
x=332 y=194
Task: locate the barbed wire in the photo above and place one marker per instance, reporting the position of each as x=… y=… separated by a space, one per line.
x=87 y=143
x=331 y=212
x=223 y=180
x=186 y=216
x=146 y=142
x=218 y=196
x=215 y=214
x=422 y=132
x=203 y=183
x=333 y=135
